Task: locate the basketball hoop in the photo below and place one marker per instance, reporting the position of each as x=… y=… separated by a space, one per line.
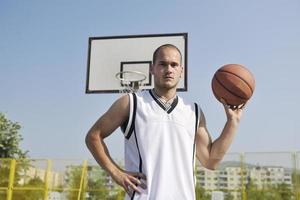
x=130 y=80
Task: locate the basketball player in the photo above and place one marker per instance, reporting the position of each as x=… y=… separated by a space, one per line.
x=163 y=135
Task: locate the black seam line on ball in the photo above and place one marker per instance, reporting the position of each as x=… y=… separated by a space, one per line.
x=228 y=89
x=239 y=78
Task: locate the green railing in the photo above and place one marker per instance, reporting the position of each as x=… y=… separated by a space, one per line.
x=246 y=176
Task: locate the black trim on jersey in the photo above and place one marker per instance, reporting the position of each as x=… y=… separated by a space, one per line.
x=196 y=128
x=173 y=105
x=132 y=196
x=140 y=158
x=133 y=117
x=157 y=101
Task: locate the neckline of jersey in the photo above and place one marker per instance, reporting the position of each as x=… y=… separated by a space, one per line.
x=166 y=107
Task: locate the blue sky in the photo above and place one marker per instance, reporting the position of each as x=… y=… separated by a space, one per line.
x=43 y=61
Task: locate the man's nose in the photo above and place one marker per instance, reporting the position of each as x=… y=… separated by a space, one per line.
x=169 y=68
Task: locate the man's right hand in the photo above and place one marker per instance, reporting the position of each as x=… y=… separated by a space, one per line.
x=130 y=181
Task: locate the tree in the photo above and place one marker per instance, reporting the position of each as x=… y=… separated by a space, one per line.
x=73 y=178
x=201 y=194
x=99 y=185
x=95 y=187
x=296 y=181
x=10 y=139
x=269 y=192
x=30 y=194
x=9 y=148
x=253 y=192
x=228 y=195
x=285 y=192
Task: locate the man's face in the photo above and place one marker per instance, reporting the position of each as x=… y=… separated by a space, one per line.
x=167 y=68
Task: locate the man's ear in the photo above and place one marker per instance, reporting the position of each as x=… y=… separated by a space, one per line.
x=151 y=68
x=181 y=71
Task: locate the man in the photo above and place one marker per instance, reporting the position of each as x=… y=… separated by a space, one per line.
x=163 y=134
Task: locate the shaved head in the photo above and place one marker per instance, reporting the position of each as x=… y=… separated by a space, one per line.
x=165 y=46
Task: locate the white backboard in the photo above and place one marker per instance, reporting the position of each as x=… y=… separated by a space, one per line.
x=109 y=55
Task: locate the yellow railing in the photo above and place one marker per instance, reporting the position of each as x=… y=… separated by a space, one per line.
x=11 y=179
x=80 y=179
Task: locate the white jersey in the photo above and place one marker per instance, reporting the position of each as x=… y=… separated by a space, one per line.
x=160 y=143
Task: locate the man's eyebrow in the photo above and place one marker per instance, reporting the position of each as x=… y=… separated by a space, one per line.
x=162 y=61
x=166 y=62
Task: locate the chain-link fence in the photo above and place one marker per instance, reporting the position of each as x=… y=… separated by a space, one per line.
x=240 y=176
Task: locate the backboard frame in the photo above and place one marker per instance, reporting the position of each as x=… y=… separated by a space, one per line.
x=147 y=62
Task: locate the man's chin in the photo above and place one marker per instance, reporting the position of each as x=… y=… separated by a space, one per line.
x=169 y=86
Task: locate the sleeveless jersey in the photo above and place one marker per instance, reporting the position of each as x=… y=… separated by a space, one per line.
x=161 y=144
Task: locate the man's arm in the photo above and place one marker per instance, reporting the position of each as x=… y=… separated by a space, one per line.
x=211 y=153
x=104 y=126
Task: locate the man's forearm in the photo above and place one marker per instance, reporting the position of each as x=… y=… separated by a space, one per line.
x=100 y=152
x=221 y=145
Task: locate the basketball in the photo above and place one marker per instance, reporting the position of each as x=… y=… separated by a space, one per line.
x=234 y=83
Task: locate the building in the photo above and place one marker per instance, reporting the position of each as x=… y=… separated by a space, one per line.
x=231 y=178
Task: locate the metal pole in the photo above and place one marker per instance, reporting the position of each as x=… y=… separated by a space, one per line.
x=11 y=179
x=242 y=158
x=83 y=174
x=296 y=176
x=47 y=177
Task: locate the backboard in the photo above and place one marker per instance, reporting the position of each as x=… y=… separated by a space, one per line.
x=107 y=56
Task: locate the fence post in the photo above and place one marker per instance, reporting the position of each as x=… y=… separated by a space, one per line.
x=296 y=176
x=47 y=177
x=83 y=175
x=244 y=196
x=11 y=179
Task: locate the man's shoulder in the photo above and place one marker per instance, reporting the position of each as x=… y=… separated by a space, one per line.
x=188 y=104
x=142 y=93
x=185 y=100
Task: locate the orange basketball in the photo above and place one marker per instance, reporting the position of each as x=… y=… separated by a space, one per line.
x=234 y=83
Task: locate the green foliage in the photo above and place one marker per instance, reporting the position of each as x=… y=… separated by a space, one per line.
x=20 y=174
x=96 y=185
x=31 y=194
x=9 y=148
x=296 y=181
x=4 y=172
x=284 y=191
x=10 y=139
x=73 y=178
x=269 y=192
x=99 y=186
x=228 y=195
x=201 y=194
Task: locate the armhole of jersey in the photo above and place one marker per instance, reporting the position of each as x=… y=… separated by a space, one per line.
x=132 y=110
x=197 y=121
x=197 y=116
